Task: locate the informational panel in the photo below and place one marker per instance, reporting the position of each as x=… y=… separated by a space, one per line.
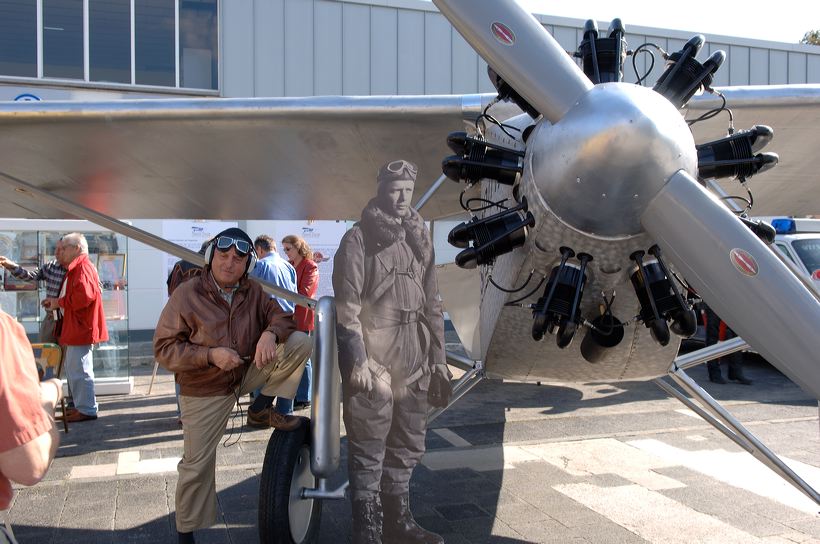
x=190 y=234
x=323 y=237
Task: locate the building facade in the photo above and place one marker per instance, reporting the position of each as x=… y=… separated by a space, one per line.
x=300 y=48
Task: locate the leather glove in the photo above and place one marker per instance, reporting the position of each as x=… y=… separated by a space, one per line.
x=360 y=378
x=440 y=390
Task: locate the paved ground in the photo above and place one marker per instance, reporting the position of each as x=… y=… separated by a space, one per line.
x=512 y=463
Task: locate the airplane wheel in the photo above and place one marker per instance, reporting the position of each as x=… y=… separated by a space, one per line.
x=284 y=517
x=566 y=332
x=659 y=331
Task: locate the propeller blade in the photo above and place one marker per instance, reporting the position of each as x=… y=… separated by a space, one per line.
x=739 y=277
x=521 y=51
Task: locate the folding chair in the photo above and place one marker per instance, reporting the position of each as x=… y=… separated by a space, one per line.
x=50 y=358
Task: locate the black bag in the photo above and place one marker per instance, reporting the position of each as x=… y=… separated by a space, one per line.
x=58 y=328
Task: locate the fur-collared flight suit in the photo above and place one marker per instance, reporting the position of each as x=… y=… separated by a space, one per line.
x=389 y=318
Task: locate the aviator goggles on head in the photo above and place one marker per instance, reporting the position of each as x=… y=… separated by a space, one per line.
x=397 y=170
x=402 y=166
x=224 y=243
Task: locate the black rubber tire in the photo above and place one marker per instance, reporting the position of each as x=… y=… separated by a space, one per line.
x=275 y=488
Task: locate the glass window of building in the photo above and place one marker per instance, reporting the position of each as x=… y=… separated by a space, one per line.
x=198 y=44
x=105 y=41
x=154 y=42
x=21 y=298
x=109 y=40
x=63 y=39
x=18 y=38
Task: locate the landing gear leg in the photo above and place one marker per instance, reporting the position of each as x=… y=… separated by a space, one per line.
x=717 y=416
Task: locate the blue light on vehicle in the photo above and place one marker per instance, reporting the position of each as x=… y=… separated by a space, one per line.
x=784 y=226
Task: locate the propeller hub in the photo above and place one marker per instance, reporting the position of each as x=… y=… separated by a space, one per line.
x=604 y=161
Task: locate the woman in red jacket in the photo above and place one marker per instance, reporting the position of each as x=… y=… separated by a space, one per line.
x=307 y=283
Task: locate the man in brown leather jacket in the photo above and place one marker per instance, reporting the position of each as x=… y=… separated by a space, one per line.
x=390 y=331
x=223 y=337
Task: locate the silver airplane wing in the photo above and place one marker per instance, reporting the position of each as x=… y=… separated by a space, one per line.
x=793 y=111
x=314 y=157
x=258 y=158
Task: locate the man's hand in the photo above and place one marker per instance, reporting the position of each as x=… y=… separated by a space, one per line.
x=51 y=303
x=361 y=379
x=224 y=358
x=438 y=395
x=265 y=350
x=5 y=262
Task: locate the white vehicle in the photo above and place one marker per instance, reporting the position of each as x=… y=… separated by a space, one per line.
x=799 y=240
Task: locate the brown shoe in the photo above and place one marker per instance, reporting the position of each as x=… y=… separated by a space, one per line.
x=269 y=418
x=284 y=423
x=75 y=416
x=259 y=420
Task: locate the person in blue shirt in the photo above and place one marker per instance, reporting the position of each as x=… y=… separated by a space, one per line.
x=272 y=268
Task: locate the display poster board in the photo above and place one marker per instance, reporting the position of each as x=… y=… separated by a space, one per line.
x=22 y=249
x=7 y=244
x=190 y=234
x=111 y=268
x=115 y=304
x=323 y=237
x=28 y=306
x=11 y=283
x=8 y=302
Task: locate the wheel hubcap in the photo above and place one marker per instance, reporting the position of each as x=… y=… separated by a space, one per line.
x=300 y=511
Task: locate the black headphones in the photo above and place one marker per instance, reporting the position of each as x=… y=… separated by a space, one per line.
x=209 y=252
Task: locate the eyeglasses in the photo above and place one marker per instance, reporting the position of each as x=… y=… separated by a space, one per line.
x=402 y=166
x=224 y=243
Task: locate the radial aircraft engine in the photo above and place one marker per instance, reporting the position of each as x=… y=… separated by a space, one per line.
x=595 y=234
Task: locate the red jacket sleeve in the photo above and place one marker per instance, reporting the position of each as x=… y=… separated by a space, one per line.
x=309 y=282
x=22 y=418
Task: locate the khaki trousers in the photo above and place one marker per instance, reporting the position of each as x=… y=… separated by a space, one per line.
x=203 y=424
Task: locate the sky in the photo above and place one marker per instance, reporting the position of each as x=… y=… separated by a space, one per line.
x=759 y=20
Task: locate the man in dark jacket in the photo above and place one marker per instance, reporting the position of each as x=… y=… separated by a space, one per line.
x=223 y=337
x=391 y=355
x=184 y=271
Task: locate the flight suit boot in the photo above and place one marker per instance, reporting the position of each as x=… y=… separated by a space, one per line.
x=367 y=520
x=399 y=525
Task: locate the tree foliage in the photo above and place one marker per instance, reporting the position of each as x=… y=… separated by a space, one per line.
x=812 y=37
